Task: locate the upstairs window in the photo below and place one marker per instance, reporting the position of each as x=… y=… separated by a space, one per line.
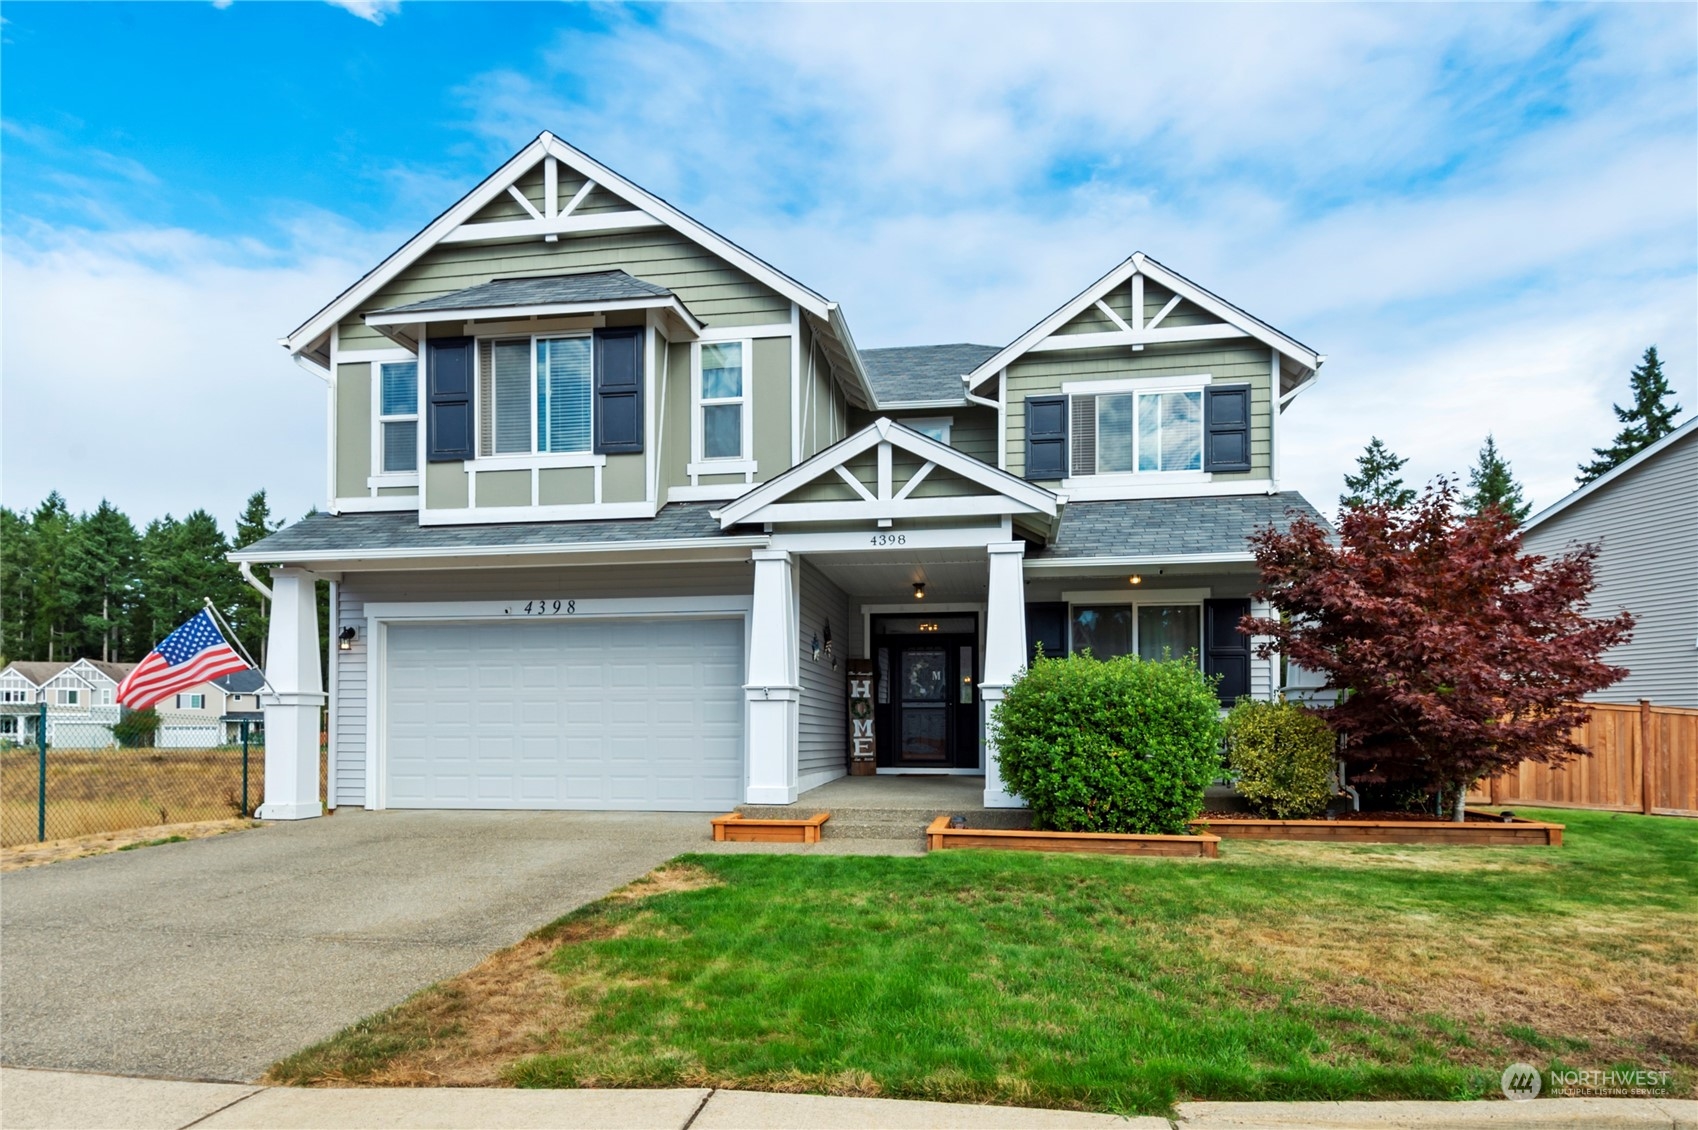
x=14 y=696
x=723 y=399
x=67 y=696
x=398 y=415
x=191 y=702
x=1130 y=432
x=535 y=395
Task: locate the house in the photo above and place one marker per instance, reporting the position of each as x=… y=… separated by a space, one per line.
x=241 y=703
x=611 y=501
x=1643 y=517
x=82 y=706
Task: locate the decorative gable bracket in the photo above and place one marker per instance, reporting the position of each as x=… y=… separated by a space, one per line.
x=882 y=499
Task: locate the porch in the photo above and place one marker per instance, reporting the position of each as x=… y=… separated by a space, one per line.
x=892 y=806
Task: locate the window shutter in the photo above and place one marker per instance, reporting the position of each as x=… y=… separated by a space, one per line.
x=448 y=435
x=1046 y=624
x=1226 y=428
x=1226 y=650
x=1046 y=437
x=1084 y=435
x=619 y=391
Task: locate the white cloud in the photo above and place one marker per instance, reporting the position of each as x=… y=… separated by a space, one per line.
x=372 y=11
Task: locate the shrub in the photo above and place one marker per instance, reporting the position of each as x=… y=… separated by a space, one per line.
x=1282 y=756
x=1119 y=745
x=136 y=728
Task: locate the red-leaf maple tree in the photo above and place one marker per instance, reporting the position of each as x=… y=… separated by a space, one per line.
x=1459 y=656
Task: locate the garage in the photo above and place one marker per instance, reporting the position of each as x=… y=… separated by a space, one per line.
x=643 y=714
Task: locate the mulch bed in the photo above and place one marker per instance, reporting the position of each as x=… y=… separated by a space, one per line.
x=1362 y=817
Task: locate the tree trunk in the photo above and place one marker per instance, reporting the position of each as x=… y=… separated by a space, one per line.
x=106 y=636
x=1461 y=813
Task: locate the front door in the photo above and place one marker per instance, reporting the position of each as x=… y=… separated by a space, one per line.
x=926 y=700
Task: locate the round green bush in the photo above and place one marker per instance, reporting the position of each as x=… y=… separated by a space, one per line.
x=1118 y=745
x=1282 y=757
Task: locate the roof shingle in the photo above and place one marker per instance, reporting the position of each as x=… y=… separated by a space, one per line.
x=1172 y=527
x=922 y=372
x=544 y=290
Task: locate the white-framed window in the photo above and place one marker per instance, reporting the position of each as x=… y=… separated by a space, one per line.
x=67 y=696
x=398 y=417
x=191 y=702
x=937 y=427
x=9 y=725
x=722 y=401
x=1154 y=629
x=1143 y=432
x=13 y=696
x=536 y=395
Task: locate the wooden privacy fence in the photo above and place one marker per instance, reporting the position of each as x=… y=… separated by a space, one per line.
x=1644 y=759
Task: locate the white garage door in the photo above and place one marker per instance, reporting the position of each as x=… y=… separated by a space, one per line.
x=633 y=714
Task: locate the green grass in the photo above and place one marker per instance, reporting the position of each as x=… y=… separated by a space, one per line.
x=1282 y=971
x=155 y=843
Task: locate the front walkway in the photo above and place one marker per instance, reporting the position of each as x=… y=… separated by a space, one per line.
x=51 y=1100
x=213 y=959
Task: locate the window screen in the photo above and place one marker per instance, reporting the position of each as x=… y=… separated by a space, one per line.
x=563 y=394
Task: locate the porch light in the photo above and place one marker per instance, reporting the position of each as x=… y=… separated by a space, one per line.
x=919 y=590
x=345 y=641
x=1137 y=578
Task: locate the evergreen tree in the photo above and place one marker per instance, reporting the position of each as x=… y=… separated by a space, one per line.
x=1491 y=483
x=16 y=546
x=252 y=621
x=1376 y=481
x=52 y=631
x=186 y=564
x=101 y=578
x=1649 y=419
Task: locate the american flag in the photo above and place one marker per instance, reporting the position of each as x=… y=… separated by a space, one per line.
x=186 y=658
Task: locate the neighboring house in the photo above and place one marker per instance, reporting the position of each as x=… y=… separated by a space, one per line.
x=1643 y=517
x=241 y=703
x=608 y=546
x=81 y=701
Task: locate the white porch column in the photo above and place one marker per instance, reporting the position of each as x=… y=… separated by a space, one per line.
x=772 y=690
x=1005 y=652
x=292 y=712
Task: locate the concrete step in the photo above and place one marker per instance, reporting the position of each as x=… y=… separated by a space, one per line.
x=866 y=823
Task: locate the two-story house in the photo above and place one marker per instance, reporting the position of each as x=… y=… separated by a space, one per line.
x=611 y=501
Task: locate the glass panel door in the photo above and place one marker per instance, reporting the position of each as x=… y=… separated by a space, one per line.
x=924 y=684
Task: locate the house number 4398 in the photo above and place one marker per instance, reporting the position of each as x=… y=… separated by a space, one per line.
x=549 y=608
x=889 y=539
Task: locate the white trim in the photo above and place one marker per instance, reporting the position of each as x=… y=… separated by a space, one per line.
x=1159 y=484
x=524 y=201
x=588 y=608
x=1135 y=338
x=796 y=391
x=1612 y=474
x=374 y=368
x=1187 y=382
x=333 y=394
x=736 y=333
x=1138 y=595
x=332 y=667
x=921 y=405
x=723 y=467
x=393 y=479
x=485 y=515
x=380 y=318
x=360 y=504
x=1106 y=563
x=1134 y=270
x=500 y=231
x=1273 y=418
x=743 y=462
x=859 y=541
x=536 y=460
x=721 y=548
x=374 y=356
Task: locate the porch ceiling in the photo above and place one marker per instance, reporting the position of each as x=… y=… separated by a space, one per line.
x=949 y=575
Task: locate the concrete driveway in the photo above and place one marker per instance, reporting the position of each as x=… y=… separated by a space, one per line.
x=214 y=958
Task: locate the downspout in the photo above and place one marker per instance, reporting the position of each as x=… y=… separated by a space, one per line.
x=247 y=570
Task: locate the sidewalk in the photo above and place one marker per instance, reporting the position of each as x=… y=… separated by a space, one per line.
x=61 y=1100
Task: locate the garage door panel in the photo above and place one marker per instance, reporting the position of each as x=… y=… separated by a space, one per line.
x=628 y=714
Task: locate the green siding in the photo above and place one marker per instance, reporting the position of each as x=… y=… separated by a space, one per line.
x=623 y=479
x=714 y=290
x=397 y=492
x=1091 y=320
x=972 y=428
x=720 y=480
x=446 y=486
x=504 y=488
x=674 y=453
x=1042 y=374
x=770 y=387
x=566 y=486
x=353 y=430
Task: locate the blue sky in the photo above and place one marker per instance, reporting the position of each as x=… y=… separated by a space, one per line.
x=1482 y=214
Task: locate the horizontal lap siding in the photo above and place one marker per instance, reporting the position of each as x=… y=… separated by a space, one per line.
x=357 y=590
x=823 y=715
x=1646 y=524
x=1042 y=374
x=714 y=290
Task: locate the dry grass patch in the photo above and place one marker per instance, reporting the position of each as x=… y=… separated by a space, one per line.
x=81 y=847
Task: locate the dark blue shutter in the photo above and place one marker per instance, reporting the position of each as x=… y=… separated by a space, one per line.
x=619 y=391
x=1046 y=437
x=1046 y=625
x=1226 y=428
x=448 y=413
x=1226 y=650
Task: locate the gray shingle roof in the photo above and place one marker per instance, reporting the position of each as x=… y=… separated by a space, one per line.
x=1163 y=527
x=400 y=530
x=545 y=290
x=241 y=682
x=922 y=372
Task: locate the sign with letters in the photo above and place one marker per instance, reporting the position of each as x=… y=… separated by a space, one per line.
x=863 y=745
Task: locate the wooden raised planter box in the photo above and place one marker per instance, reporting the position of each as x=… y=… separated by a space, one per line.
x=940 y=835
x=1479 y=833
x=738 y=828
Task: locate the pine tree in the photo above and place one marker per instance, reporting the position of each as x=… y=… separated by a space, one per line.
x=102 y=560
x=187 y=564
x=1376 y=480
x=253 y=613
x=1649 y=419
x=16 y=547
x=1492 y=483
x=52 y=630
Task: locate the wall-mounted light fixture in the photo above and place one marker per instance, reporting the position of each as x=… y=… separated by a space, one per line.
x=345 y=641
x=919 y=590
x=1137 y=578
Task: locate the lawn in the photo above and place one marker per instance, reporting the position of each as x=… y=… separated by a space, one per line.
x=1280 y=971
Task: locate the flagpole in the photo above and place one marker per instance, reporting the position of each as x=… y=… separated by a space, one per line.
x=236 y=642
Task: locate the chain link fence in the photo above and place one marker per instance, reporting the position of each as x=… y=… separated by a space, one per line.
x=67 y=776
